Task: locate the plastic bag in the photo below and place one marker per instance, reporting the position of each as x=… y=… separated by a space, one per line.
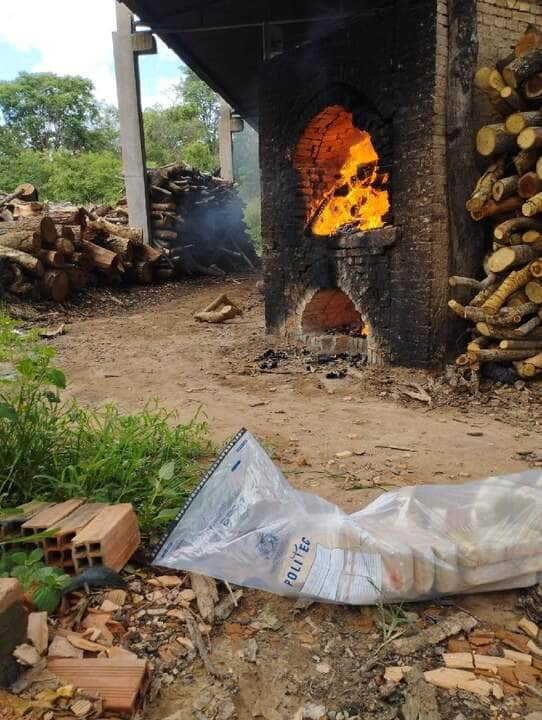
x=244 y=523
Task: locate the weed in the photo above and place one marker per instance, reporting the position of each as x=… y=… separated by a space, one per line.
x=51 y=450
x=44 y=584
x=393 y=621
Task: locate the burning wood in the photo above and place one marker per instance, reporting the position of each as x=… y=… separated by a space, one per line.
x=507 y=306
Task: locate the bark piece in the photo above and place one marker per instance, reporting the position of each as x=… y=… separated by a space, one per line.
x=461 y=660
x=505 y=187
x=521 y=68
x=460 y=622
x=492 y=662
x=25 y=261
x=206 y=595
x=11 y=592
x=38 y=631
x=55 y=285
x=529 y=184
x=62 y=648
x=124 y=231
x=525 y=160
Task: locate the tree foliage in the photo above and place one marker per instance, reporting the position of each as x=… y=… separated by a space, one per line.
x=45 y=111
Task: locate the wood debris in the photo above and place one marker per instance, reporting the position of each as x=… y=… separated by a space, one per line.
x=432 y=635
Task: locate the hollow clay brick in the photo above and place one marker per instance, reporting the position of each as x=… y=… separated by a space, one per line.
x=109 y=539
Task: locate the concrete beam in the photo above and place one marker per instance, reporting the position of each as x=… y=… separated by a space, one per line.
x=131 y=119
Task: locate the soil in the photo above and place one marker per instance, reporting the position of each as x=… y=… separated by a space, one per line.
x=144 y=343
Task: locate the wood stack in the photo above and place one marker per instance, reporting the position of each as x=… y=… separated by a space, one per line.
x=197 y=221
x=50 y=251
x=506 y=305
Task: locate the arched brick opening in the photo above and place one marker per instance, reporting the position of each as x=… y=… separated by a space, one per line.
x=339 y=176
x=331 y=310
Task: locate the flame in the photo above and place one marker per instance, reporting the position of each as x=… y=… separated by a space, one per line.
x=357 y=195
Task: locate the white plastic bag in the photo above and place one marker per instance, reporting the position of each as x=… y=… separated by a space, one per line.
x=244 y=523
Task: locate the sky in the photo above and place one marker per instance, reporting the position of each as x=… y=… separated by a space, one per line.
x=58 y=36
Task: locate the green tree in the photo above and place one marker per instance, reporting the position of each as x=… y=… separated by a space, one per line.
x=51 y=112
x=203 y=104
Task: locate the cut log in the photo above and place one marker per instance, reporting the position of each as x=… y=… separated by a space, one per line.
x=521 y=345
x=529 y=184
x=503 y=230
x=516 y=280
x=512 y=256
x=522 y=68
x=526 y=370
x=492 y=208
x=524 y=161
x=67 y=215
x=71 y=232
x=486 y=292
x=163 y=207
x=517 y=298
x=532 y=89
x=457 y=281
x=505 y=187
x=22 y=209
x=507 y=316
x=147 y=253
x=103 y=259
x=517 y=122
x=530 y=327
x=170 y=235
x=82 y=260
x=55 y=285
x=496 y=355
x=535 y=268
x=482 y=82
x=39 y=225
x=25 y=192
x=64 y=246
x=124 y=231
x=530 y=138
x=124 y=247
x=24 y=240
x=50 y=258
x=484 y=186
x=513 y=98
x=531 y=236
x=77 y=276
x=142 y=272
x=24 y=260
x=533 y=206
x=509 y=333
x=494 y=140
x=533 y=291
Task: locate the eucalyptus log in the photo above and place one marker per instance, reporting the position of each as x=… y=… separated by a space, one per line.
x=163 y=207
x=65 y=246
x=124 y=247
x=24 y=240
x=77 y=276
x=24 y=260
x=484 y=186
x=518 y=121
x=482 y=82
x=104 y=260
x=520 y=345
x=504 y=230
x=531 y=236
x=522 y=68
x=516 y=280
x=505 y=187
x=147 y=253
x=123 y=231
x=483 y=294
x=529 y=184
x=50 y=258
x=507 y=316
x=54 y=285
x=535 y=268
x=142 y=272
x=24 y=191
x=533 y=206
x=530 y=138
x=533 y=291
x=511 y=256
x=496 y=354
x=493 y=208
x=525 y=370
x=67 y=215
x=26 y=209
x=517 y=298
x=513 y=98
x=495 y=140
x=530 y=327
x=533 y=332
x=458 y=281
x=169 y=235
x=82 y=260
x=525 y=160
x=39 y=225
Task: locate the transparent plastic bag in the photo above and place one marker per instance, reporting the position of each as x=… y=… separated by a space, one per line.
x=244 y=523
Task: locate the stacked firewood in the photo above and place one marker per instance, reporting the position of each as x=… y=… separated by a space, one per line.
x=197 y=221
x=507 y=304
x=49 y=251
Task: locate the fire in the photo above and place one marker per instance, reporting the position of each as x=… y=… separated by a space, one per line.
x=357 y=195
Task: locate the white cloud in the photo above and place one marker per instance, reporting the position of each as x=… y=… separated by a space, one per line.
x=74 y=38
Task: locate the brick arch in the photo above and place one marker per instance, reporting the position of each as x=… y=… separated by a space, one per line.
x=327 y=310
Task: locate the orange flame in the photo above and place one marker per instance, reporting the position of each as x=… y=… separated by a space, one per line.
x=357 y=195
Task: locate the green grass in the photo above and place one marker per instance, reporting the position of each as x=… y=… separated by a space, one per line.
x=53 y=450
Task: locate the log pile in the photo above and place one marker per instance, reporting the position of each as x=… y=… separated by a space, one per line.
x=506 y=304
x=197 y=221
x=50 y=251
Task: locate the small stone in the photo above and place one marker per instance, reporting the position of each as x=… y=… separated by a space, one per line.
x=313 y=712
x=323 y=668
x=343 y=454
x=251 y=651
x=109 y=606
x=475 y=433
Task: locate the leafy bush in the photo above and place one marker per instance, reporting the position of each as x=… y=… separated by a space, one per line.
x=253 y=221
x=52 y=450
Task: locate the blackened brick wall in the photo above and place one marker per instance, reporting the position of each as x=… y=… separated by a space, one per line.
x=385 y=69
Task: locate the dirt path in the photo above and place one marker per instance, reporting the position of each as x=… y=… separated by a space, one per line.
x=132 y=355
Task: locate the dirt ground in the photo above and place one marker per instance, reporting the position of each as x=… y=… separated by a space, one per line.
x=145 y=343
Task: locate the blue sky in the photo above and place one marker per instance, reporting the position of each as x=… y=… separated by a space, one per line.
x=57 y=36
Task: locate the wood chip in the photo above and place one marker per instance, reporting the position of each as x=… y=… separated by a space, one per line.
x=38 y=632
x=491 y=662
x=187 y=595
x=61 y=648
x=177 y=614
x=514 y=640
x=481 y=638
x=461 y=660
x=169 y=581
x=395 y=673
x=108 y=606
x=343 y=454
x=116 y=596
x=206 y=595
x=452 y=679
x=534 y=649
x=80 y=708
x=26 y=655
x=517 y=657
x=79 y=642
x=458 y=646
x=529 y=627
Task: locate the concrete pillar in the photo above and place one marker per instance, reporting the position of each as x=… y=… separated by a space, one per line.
x=225 y=145
x=127 y=45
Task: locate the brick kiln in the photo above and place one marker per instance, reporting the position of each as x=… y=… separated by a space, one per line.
x=366 y=139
